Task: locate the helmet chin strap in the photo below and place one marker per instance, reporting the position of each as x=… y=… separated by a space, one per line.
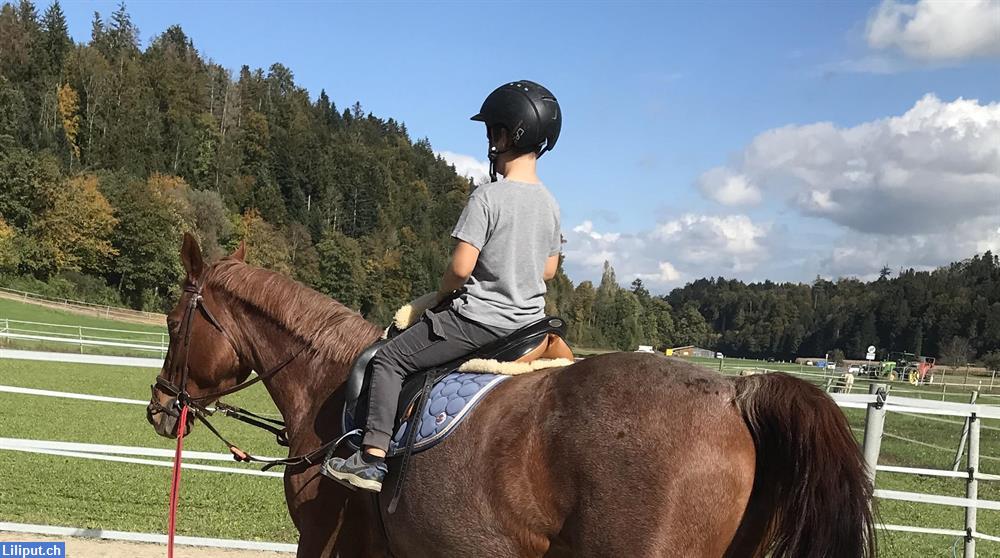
x=493 y=163
x=493 y=155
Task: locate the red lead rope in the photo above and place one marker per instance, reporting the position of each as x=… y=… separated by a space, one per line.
x=175 y=485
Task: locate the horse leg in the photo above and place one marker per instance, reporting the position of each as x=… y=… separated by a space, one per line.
x=331 y=520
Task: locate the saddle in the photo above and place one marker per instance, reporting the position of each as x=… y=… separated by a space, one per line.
x=443 y=394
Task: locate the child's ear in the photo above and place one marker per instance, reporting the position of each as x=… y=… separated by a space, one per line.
x=501 y=139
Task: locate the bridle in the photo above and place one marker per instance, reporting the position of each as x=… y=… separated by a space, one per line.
x=178 y=392
x=181 y=398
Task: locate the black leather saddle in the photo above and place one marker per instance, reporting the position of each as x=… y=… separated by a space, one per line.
x=516 y=346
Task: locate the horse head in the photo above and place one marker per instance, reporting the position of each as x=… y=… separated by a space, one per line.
x=202 y=357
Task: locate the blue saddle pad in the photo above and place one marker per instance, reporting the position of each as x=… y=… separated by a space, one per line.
x=451 y=399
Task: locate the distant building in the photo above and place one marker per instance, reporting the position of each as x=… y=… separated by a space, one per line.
x=690 y=351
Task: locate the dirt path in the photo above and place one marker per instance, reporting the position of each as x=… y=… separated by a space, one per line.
x=97 y=548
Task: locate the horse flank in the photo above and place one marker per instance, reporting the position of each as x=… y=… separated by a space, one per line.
x=334 y=332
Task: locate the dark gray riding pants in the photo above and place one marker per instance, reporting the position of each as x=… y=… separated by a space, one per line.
x=438 y=338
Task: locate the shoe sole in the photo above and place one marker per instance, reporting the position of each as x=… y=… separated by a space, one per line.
x=353 y=480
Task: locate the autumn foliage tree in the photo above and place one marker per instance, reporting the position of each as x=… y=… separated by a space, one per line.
x=69 y=107
x=75 y=231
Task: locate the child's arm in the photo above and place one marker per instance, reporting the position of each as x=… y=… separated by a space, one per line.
x=463 y=261
x=551 y=265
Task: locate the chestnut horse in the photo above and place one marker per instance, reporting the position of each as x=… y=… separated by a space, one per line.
x=622 y=454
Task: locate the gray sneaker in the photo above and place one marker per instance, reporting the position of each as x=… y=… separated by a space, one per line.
x=355 y=472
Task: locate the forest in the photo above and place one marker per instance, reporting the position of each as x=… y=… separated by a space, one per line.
x=110 y=150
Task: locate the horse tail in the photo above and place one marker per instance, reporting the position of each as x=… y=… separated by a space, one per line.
x=811 y=496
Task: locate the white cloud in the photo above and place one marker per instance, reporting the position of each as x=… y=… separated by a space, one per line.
x=922 y=187
x=935 y=30
x=667 y=274
x=864 y=255
x=468 y=166
x=689 y=246
x=587 y=228
x=728 y=189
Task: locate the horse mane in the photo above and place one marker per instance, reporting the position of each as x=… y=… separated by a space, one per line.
x=334 y=331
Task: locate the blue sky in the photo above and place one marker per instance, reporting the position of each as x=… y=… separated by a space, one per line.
x=657 y=95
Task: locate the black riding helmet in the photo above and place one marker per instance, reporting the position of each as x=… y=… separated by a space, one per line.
x=528 y=111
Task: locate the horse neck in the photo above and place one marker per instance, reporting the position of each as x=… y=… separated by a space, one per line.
x=304 y=390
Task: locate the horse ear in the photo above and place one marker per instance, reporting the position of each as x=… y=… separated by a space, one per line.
x=240 y=252
x=191 y=257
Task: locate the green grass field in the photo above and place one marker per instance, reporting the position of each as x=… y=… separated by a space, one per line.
x=12 y=312
x=76 y=492
x=15 y=310
x=70 y=491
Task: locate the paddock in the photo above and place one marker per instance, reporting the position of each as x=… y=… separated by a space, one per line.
x=106 y=476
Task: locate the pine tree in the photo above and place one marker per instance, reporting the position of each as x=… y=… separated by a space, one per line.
x=56 y=42
x=122 y=34
x=28 y=16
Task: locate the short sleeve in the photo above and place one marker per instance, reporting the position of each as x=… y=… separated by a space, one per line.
x=556 y=243
x=474 y=224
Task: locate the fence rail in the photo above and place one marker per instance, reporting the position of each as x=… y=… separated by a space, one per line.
x=84 y=336
x=156 y=538
x=878 y=402
x=101 y=310
x=104 y=360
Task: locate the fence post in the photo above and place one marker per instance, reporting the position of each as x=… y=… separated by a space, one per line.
x=965 y=435
x=972 y=488
x=874 y=422
x=81 y=338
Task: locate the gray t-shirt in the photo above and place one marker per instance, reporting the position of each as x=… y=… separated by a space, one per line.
x=515 y=226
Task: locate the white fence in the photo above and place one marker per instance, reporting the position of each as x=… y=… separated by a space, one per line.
x=82 y=336
x=877 y=403
x=135 y=362
x=156 y=457
x=156 y=538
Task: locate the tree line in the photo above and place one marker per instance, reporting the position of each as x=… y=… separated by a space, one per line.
x=109 y=152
